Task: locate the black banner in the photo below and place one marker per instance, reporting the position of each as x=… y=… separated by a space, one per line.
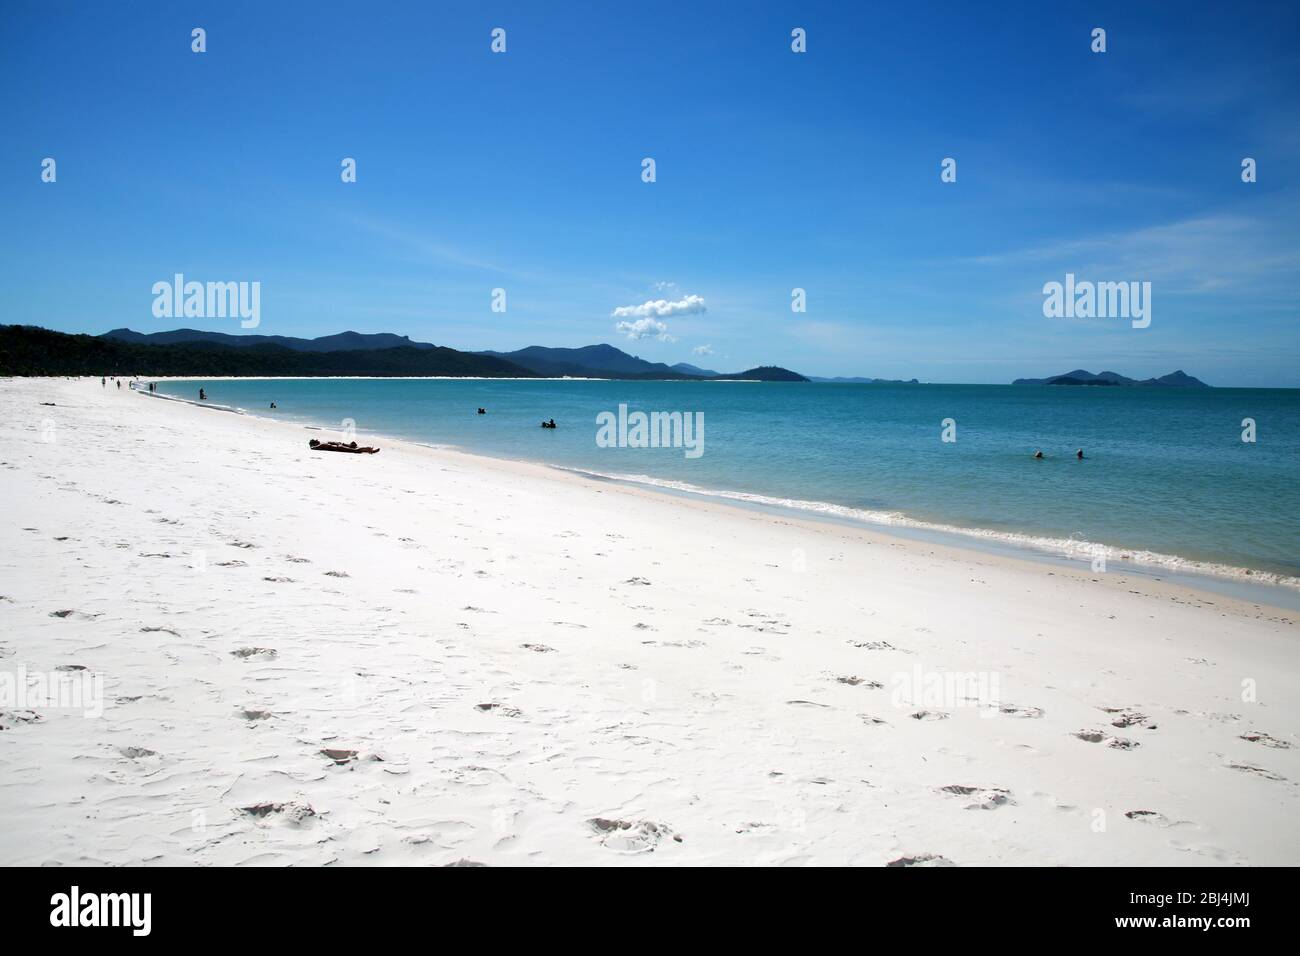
x=213 y=905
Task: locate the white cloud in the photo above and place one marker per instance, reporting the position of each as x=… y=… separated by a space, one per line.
x=661 y=308
x=703 y=350
x=644 y=328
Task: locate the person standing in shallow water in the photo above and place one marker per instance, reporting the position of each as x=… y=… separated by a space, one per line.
x=1079 y=454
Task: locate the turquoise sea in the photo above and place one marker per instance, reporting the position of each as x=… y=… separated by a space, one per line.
x=1166 y=480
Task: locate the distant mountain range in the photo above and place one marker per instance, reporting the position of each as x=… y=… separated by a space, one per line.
x=28 y=350
x=605 y=361
x=342 y=342
x=688 y=369
x=1179 y=379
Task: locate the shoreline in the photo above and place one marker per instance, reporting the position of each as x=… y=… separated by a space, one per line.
x=1274 y=588
x=427 y=656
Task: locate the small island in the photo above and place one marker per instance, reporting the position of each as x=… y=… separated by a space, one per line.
x=1178 y=379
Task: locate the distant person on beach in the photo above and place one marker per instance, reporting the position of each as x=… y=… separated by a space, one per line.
x=317 y=445
x=203 y=396
x=119 y=383
x=103 y=382
x=1038 y=454
x=1079 y=454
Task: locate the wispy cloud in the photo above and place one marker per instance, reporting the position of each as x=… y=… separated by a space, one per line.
x=702 y=350
x=1200 y=254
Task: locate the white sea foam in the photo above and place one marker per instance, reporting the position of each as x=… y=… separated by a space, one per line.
x=1064 y=547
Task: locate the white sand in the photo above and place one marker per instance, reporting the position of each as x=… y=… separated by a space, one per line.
x=666 y=663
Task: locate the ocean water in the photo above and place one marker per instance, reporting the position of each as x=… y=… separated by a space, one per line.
x=1166 y=481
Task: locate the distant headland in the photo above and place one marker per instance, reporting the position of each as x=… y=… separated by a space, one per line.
x=1178 y=379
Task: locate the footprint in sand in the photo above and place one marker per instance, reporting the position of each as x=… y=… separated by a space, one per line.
x=1012 y=710
x=11 y=719
x=1100 y=736
x=982 y=798
x=1257 y=771
x=538 y=648
x=1124 y=717
x=244 y=653
x=290 y=812
x=929 y=715
x=873 y=645
x=855 y=681
x=136 y=753
x=339 y=755
x=921 y=859
x=631 y=836
x=494 y=707
x=1155 y=818
x=1255 y=737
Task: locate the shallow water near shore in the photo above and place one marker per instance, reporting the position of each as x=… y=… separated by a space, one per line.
x=1166 y=481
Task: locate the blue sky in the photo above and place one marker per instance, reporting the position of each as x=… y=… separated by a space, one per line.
x=775 y=170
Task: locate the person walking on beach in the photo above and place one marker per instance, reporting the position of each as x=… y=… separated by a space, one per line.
x=103 y=382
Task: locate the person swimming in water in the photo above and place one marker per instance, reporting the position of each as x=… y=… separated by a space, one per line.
x=273 y=404
x=203 y=396
x=1038 y=454
x=482 y=411
x=550 y=424
x=1079 y=454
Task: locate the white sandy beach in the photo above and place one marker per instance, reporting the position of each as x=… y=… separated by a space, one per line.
x=509 y=664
